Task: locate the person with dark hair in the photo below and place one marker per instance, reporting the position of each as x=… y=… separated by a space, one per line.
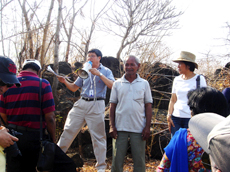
x=183 y=153
x=178 y=110
x=212 y=132
x=7 y=79
x=89 y=108
x=20 y=108
x=207 y=99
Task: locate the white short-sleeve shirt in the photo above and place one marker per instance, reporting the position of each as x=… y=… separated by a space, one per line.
x=130 y=99
x=180 y=88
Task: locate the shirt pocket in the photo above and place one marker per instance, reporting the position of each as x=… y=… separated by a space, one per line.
x=138 y=95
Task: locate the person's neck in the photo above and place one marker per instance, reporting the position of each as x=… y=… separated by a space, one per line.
x=188 y=75
x=96 y=65
x=130 y=78
x=31 y=70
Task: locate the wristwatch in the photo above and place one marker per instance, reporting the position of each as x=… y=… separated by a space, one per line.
x=100 y=74
x=169 y=115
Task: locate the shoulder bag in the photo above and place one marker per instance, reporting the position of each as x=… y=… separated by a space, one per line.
x=47 y=148
x=198 y=81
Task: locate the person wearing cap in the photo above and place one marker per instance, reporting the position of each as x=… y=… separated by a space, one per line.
x=178 y=110
x=20 y=107
x=7 y=74
x=212 y=132
x=7 y=79
x=89 y=108
x=130 y=116
x=184 y=151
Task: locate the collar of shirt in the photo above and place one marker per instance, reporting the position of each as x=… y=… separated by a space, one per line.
x=136 y=80
x=100 y=66
x=26 y=73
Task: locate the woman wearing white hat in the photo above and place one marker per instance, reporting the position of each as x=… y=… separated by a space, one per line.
x=178 y=110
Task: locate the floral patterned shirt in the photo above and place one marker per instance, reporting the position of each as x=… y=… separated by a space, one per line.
x=194 y=157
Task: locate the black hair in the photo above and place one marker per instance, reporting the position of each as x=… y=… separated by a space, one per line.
x=96 y=51
x=207 y=99
x=32 y=66
x=191 y=65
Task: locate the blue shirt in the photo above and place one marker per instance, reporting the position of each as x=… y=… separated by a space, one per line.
x=176 y=151
x=94 y=83
x=226 y=93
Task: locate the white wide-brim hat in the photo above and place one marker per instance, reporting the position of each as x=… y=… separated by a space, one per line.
x=188 y=57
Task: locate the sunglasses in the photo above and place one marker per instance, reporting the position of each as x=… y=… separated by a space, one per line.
x=4 y=84
x=206 y=161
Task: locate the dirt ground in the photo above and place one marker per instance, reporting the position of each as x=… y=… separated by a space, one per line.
x=128 y=165
x=151 y=164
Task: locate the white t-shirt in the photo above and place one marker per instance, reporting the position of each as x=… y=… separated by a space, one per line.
x=180 y=88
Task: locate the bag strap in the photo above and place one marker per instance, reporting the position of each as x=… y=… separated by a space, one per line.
x=3 y=122
x=40 y=101
x=198 y=81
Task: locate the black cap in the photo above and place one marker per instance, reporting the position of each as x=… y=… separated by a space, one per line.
x=8 y=71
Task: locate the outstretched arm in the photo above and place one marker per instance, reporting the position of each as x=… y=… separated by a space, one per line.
x=71 y=86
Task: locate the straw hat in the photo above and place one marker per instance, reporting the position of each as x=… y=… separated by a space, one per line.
x=188 y=57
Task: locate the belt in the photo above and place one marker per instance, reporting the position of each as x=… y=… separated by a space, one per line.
x=21 y=128
x=92 y=99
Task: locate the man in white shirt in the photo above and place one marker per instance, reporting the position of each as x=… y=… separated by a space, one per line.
x=130 y=116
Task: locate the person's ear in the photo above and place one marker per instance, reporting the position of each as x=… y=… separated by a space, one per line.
x=39 y=73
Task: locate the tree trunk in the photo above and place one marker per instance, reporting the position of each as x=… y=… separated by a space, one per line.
x=30 y=40
x=56 y=50
x=70 y=34
x=45 y=32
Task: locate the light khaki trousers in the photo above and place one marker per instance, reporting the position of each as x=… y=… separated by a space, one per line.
x=92 y=113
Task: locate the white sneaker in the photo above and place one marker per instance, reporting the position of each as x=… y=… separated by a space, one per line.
x=101 y=170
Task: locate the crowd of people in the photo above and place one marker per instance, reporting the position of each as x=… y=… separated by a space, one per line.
x=197 y=117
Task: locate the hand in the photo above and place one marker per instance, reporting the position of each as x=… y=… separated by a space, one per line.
x=145 y=133
x=6 y=139
x=113 y=132
x=94 y=71
x=61 y=79
x=170 y=123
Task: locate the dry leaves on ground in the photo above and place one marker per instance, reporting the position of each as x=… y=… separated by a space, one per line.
x=128 y=166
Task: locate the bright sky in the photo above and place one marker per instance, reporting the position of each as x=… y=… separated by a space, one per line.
x=201 y=27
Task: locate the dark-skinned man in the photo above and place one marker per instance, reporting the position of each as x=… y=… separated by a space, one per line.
x=130 y=116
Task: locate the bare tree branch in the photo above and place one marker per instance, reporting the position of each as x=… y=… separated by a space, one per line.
x=45 y=32
x=131 y=20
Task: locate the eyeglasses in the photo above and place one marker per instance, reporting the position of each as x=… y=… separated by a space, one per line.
x=4 y=84
x=206 y=161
